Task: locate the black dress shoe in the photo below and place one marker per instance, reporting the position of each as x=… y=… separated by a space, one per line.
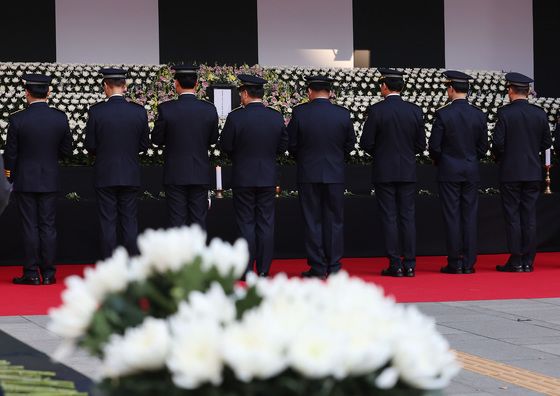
x=313 y=274
x=49 y=280
x=26 y=280
x=409 y=272
x=263 y=274
x=396 y=272
x=469 y=271
x=450 y=270
x=527 y=268
x=509 y=268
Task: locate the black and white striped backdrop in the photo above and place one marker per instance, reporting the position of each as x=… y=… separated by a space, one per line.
x=519 y=35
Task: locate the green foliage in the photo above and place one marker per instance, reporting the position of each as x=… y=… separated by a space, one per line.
x=250 y=301
x=158 y=296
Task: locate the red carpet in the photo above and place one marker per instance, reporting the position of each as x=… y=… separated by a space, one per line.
x=428 y=286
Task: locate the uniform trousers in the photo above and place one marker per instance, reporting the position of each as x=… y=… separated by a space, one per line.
x=254 y=214
x=519 y=203
x=118 y=208
x=38 y=217
x=322 y=206
x=186 y=205
x=459 y=202
x=396 y=202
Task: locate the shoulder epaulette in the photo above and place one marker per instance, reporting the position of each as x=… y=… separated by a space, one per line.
x=60 y=111
x=413 y=104
x=96 y=104
x=135 y=103
x=17 y=111
x=341 y=106
x=503 y=106
x=536 y=105
x=274 y=108
x=300 y=104
x=206 y=101
x=443 y=107
x=167 y=101
x=476 y=107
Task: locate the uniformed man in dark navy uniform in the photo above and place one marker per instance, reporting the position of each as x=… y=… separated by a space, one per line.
x=116 y=132
x=5 y=187
x=393 y=134
x=321 y=136
x=37 y=137
x=252 y=137
x=187 y=127
x=521 y=133
x=459 y=139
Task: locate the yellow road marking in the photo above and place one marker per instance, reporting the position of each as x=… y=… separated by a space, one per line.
x=514 y=375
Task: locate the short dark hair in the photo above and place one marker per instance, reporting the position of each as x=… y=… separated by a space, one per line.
x=187 y=81
x=519 y=90
x=254 y=91
x=459 y=86
x=393 y=84
x=37 y=91
x=320 y=86
x=115 y=82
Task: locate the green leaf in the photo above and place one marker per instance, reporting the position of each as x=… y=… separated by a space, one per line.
x=250 y=301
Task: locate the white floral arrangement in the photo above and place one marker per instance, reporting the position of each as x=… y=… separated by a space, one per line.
x=174 y=321
x=77 y=86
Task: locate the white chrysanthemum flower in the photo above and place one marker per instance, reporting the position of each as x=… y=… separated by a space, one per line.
x=109 y=276
x=315 y=353
x=254 y=348
x=213 y=305
x=226 y=258
x=423 y=357
x=142 y=348
x=171 y=249
x=73 y=317
x=195 y=356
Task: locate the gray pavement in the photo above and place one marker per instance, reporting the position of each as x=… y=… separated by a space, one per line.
x=521 y=333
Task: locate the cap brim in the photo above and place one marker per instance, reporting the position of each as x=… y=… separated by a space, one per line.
x=36 y=83
x=179 y=72
x=114 y=76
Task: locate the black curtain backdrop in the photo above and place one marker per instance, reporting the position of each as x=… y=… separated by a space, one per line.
x=546 y=32
x=28 y=31
x=77 y=222
x=405 y=33
x=199 y=32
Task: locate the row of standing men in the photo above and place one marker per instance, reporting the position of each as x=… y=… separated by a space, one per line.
x=320 y=135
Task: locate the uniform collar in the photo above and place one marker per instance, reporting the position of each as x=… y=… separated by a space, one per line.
x=521 y=101
x=459 y=101
x=257 y=103
x=187 y=95
x=320 y=100
x=116 y=97
x=38 y=102
x=393 y=96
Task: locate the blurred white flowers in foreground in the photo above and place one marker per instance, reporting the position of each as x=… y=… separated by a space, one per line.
x=182 y=321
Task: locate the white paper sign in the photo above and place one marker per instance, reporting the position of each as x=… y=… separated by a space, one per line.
x=222 y=101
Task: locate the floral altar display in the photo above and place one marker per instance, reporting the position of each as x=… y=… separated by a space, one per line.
x=77 y=86
x=174 y=321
